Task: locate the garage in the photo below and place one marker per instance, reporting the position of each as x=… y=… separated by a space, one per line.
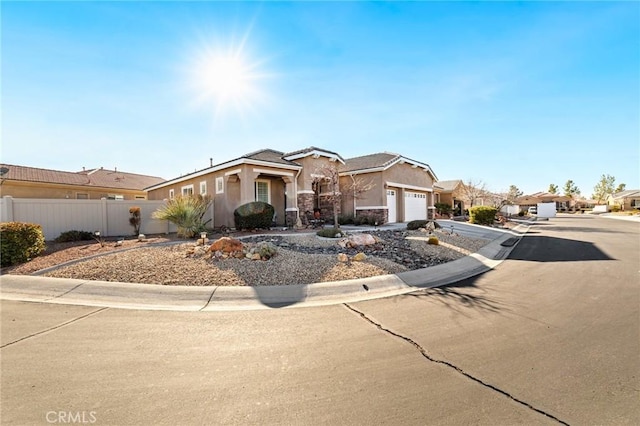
x=415 y=206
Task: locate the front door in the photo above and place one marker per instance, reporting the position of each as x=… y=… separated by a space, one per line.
x=391 y=205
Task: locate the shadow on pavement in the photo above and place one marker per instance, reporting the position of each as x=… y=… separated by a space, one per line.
x=463 y=293
x=551 y=249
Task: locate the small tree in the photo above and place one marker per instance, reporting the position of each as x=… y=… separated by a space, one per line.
x=553 y=188
x=603 y=188
x=513 y=194
x=333 y=195
x=135 y=219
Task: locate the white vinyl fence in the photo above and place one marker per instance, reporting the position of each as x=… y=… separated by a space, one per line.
x=110 y=217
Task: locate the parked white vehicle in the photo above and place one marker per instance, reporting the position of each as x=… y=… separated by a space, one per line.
x=532 y=210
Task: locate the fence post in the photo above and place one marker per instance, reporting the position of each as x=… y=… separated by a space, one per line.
x=6 y=215
x=104 y=219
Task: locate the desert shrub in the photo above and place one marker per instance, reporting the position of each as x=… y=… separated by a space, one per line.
x=521 y=213
x=345 y=219
x=330 y=233
x=186 y=212
x=267 y=250
x=443 y=208
x=433 y=240
x=615 y=208
x=364 y=220
x=482 y=215
x=254 y=215
x=73 y=235
x=135 y=219
x=20 y=242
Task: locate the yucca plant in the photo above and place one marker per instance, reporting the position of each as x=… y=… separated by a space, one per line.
x=186 y=213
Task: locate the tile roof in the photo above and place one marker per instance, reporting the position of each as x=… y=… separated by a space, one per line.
x=311 y=149
x=92 y=177
x=627 y=194
x=448 y=185
x=371 y=161
x=270 y=155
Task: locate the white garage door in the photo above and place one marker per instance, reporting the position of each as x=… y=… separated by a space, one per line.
x=391 y=205
x=415 y=206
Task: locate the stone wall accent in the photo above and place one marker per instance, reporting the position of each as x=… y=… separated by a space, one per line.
x=381 y=215
x=290 y=217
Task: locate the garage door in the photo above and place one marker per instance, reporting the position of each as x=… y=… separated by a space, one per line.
x=391 y=205
x=415 y=206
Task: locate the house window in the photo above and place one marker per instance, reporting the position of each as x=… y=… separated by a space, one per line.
x=262 y=191
x=115 y=197
x=187 y=190
x=140 y=197
x=81 y=196
x=219 y=185
x=203 y=188
x=171 y=194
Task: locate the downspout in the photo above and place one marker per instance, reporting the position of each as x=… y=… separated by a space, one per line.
x=295 y=194
x=354 y=197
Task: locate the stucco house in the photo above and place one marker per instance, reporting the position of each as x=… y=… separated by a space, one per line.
x=625 y=200
x=296 y=183
x=92 y=184
x=563 y=202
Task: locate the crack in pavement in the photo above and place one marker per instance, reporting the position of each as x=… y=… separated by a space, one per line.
x=450 y=365
x=55 y=327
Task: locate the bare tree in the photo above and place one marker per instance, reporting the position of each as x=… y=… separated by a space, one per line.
x=473 y=190
x=330 y=176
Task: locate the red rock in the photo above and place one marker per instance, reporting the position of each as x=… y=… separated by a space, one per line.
x=226 y=245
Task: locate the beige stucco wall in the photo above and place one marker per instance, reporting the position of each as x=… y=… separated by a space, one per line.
x=19 y=189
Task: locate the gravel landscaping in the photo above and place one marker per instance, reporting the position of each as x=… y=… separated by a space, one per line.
x=300 y=259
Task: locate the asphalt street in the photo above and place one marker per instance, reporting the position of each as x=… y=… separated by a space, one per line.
x=551 y=336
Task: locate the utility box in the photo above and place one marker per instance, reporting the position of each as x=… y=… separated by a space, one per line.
x=546 y=210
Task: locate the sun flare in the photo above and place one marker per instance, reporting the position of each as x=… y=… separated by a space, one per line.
x=226 y=79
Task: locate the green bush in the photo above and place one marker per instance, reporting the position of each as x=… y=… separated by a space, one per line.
x=254 y=215
x=20 y=242
x=521 y=213
x=346 y=219
x=482 y=215
x=443 y=208
x=74 y=235
x=330 y=233
x=186 y=212
x=364 y=220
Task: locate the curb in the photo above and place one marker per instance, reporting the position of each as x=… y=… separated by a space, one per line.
x=28 y=288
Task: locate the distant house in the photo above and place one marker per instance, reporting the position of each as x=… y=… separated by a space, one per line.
x=625 y=200
x=451 y=192
x=295 y=184
x=92 y=184
x=563 y=202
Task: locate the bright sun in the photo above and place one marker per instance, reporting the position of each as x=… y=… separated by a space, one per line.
x=226 y=79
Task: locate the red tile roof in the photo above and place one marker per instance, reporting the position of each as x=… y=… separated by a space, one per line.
x=93 y=177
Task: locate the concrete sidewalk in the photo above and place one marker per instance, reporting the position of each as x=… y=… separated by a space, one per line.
x=222 y=298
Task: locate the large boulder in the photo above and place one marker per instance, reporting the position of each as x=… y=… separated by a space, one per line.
x=226 y=245
x=357 y=240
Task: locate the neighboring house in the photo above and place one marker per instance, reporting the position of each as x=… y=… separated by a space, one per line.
x=295 y=184
x=93 y=184
x=563 y=202
x=402 y=188
x=625 y=200
x=451 y=192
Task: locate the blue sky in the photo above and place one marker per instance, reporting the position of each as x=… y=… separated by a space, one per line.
x=522 y=93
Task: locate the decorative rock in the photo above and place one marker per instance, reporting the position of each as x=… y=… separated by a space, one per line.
x=357 y=240
x=343 y=258
x=359 y=257
x=256 y=256
x=227 y=245
x=141 y=237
